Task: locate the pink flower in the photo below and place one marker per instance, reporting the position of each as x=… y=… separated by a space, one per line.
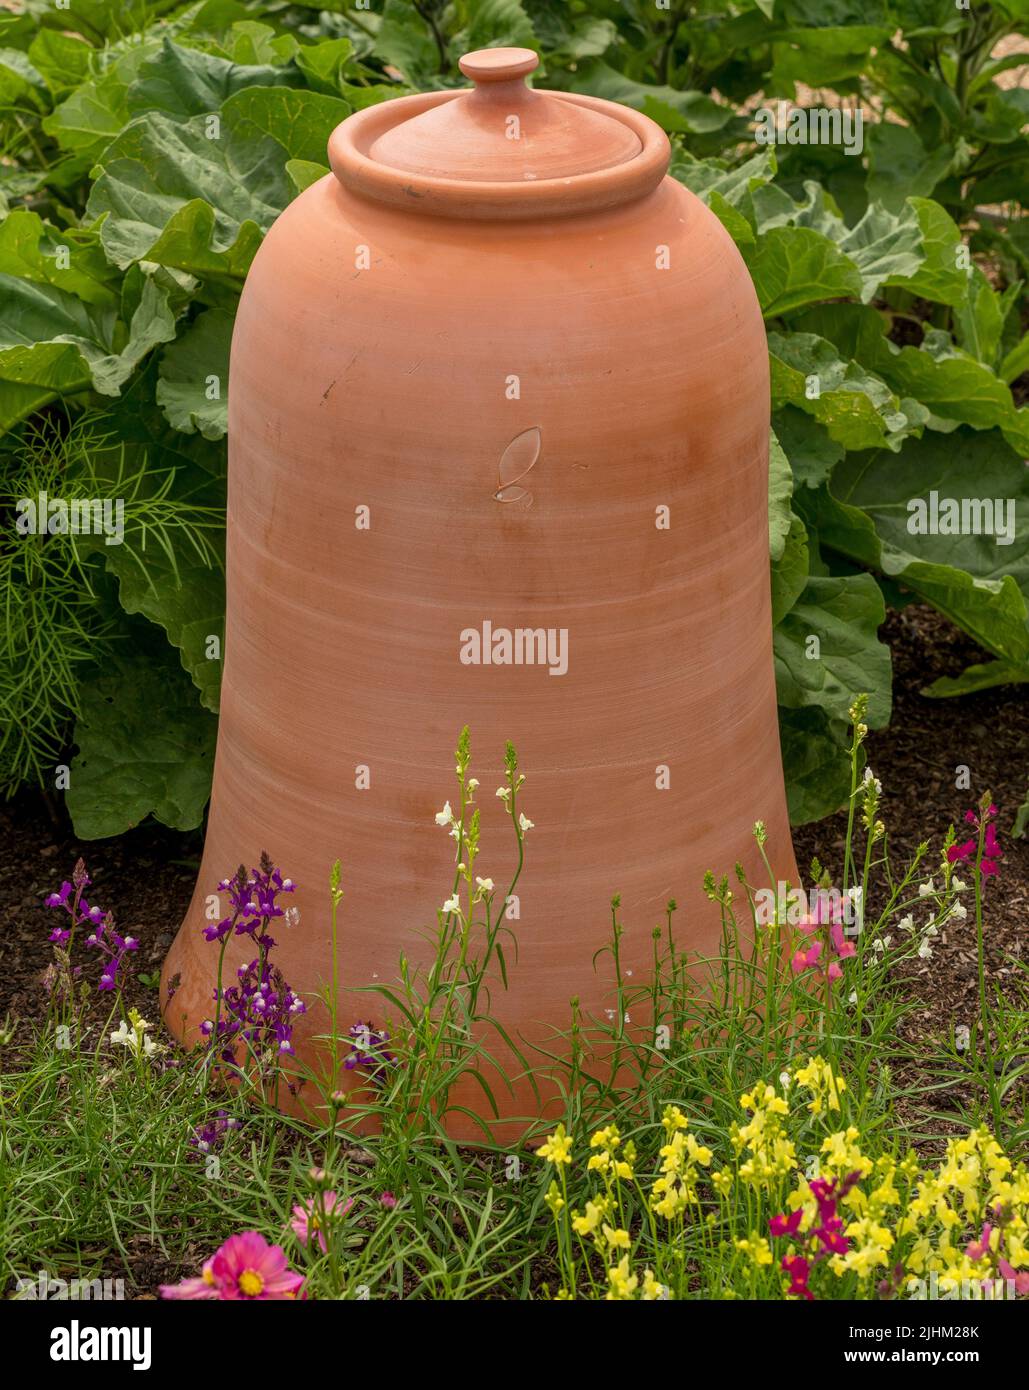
x=980 y=1249
x=204 y=1287
x=248 y=1268
x=970 y=848
x=806 y=960
x=310 y=1219
x=1018 y=1277
x=245 y=1268
x=388 y=1201
x=798 y=1269
x=826 y=924
x=786 y=1225
x=843 y=948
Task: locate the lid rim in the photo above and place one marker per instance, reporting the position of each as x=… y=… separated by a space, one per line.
x=429 y=194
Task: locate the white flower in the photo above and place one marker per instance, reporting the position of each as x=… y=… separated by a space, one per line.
x=473 y=783
x=906 y=923
x=455 y=830
x=132 y=1034
x=524 y=823
x=925 y=951
x=959 y=885
x=959 y=910
x=925 y=890
x=853 y=997
x=445 y=816
x=931 y=930
x=962 y=1037
x=870 y=778
x=452 y=904
x=503 y=792
x=785 y=1079
x=484 y=885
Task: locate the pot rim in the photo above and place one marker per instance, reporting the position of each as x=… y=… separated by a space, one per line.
x=596 y=191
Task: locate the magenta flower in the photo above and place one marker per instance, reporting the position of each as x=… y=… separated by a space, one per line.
x=247 y=1268
x=968 y=850
x=311 y=1218
x=798 y=1269
x=204 y=1287
x=388 y=1201
x=786 y=1225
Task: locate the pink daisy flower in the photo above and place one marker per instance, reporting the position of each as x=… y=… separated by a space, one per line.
x=204 y=1287
x=309 y=1219
x=248 y=1268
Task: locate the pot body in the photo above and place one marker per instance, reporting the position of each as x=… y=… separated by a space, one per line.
x=382 y=363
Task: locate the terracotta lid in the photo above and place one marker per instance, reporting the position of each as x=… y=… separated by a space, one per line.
x=499 y=148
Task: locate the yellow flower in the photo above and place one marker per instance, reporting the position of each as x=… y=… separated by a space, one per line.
x=673 y=1119
x=699 y=1153
x=553 y=1199
x=587 y=1225
x=722 y=1181
x=757 y=1248
x=623 y=1284
x=606 y=1138
x=825 y=1087
x=616 y=1238
x=557 y=1148
x=652 y=1290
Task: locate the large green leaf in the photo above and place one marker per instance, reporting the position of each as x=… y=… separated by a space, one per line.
x=130 y=764
x=780 y=490
x=182 y=82
x=187 y=601
x=52 y=343
x=72 y=260
x=167 y=192
x=816 y=761
x=195 y=374
x=868 y=512
x=951 y=383
x=827 y=649
x=795 y=266
x=856 y=407
x=687 y=113
x=900 y=166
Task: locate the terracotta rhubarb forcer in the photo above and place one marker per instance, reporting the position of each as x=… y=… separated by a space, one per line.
x=496 y=368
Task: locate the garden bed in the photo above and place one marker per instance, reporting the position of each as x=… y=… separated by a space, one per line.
x=147 y=877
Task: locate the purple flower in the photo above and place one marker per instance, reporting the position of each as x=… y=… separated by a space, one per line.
x=60 y=899
x=209 y=1136
x=99 y=924
x=252 y=899
x=369 y=1051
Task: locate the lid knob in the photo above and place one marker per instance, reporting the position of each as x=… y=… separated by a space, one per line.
x=490 y=65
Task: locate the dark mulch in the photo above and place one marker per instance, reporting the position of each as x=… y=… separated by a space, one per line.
x=917 y=758
x=145 y=878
